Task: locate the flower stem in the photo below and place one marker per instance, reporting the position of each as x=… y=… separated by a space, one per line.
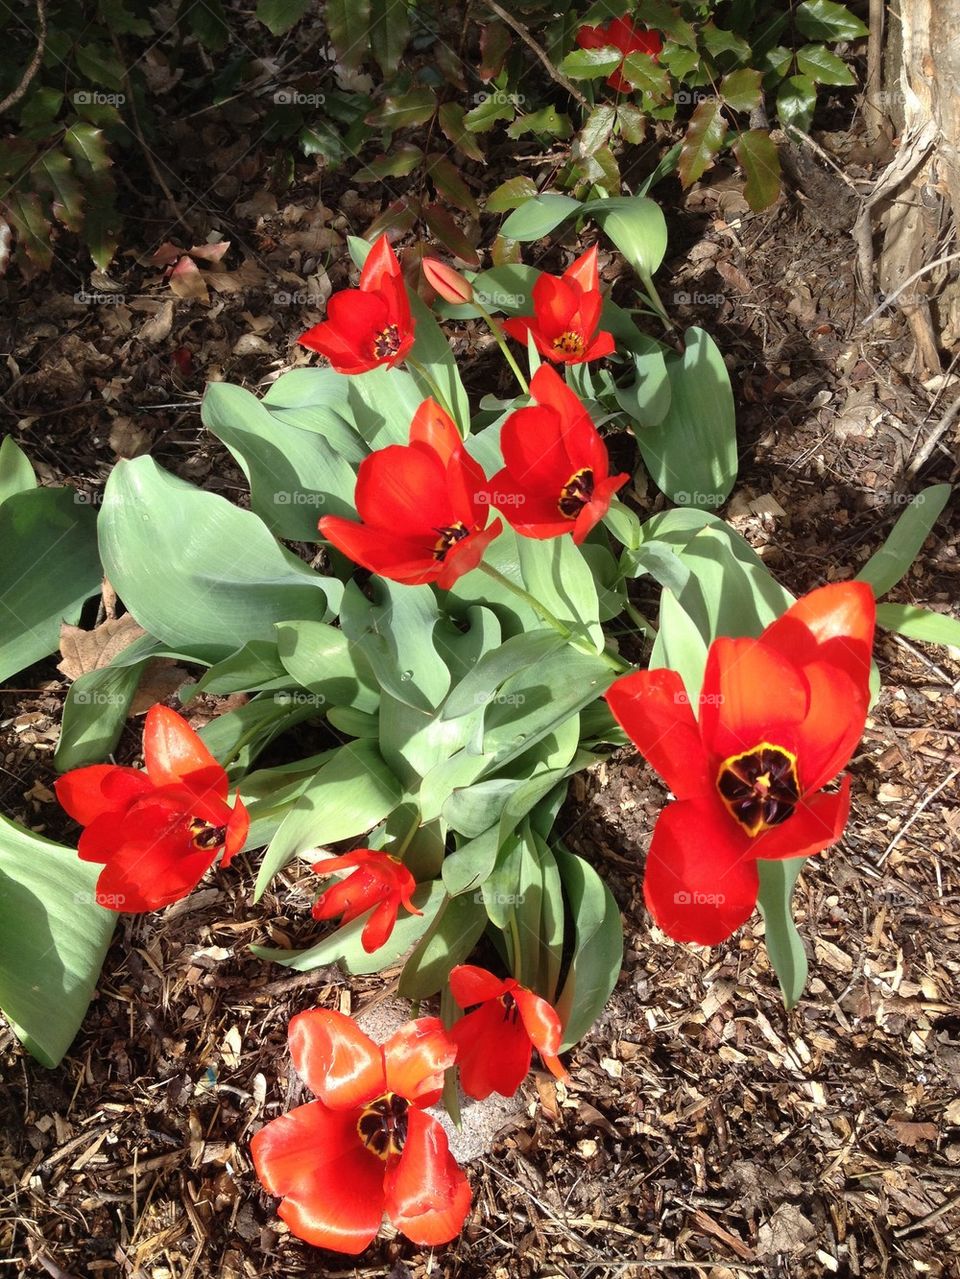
x=497 y=332
x=653 y=297
x=552 y=620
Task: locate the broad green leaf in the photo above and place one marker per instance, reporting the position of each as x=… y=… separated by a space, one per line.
x=680 y=645
x=295 y=476
x=796 y=99
x=54 y=173
x=16 y=473
x=704 y=137
x=647 y=77
x=351 y=793
x=822 y=66
x=397 y=163
x=893 y=560
x=466 y=869
x=193 y=568
x=24 y=212
x=919 y=624
x=637 y=227
x=623 y=524
x=389 y=33
x=318 y=400
x=740 y=90
x=452 y=120
x=99 y=63
x=598 y=947
x=490 y=108
x=344 y=945
x=556 y=574
x=647 y=401
x=254 y=667
x=825 y=20
x=322 y=660
x=48 y=568
x=660 y=15
x=784 y=945
x=53 y=939
x=691 y=453
x=431 y=348
x=348 y=23
x=479 y=687
x=759 y=158
x=538 y=217
x=449 y=940
x=591 y=64
x=403 y=110
x=548 y=120
x=510 y=194
x=280 y=15
x=719 y=42
x=449 y=183
x=101 y=218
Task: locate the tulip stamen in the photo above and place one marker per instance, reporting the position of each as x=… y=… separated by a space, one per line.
x=205 y=834
x=382 y=1126
x=570 y=343
x=576 y=493
x=387 y=342
x=449 y=536
x=760 y=787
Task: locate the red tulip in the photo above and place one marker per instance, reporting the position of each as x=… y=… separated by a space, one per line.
x=370 y=325
x=566 y=315
x=424 y=507
x=379 y=882
x=365 y=1148
x=496 y=1040
x=556 y=476
x=155 y=832
x=779 y=718
x=445 y=281
x=623 y=34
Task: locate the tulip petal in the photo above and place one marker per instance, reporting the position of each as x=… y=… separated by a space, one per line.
x=415 y=1059
x=401 y=559
x=149 y=870
x=653 y=709
x=470 y=984
x=540 y=1021
x=750 y=694
x=380 y=265
x=435 y=428
x=427 y=1194
x=332 y=1188
x=88 y=793
x=335 y=1059
x=173 y=751
x=238 y=828
x=403 y=490
x=700 y=882
x=555 y=304
x=834 y=724
x=832 y=624
x=584 y=271
x=493 y=1050
x=817 y=823
x=466 y=554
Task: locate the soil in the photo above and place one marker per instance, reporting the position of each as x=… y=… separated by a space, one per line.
x=705 y=1131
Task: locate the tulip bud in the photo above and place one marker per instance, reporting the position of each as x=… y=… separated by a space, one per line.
x=449 y=284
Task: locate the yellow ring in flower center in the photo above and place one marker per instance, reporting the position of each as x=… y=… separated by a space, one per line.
x=759 y=788
x=387 y=342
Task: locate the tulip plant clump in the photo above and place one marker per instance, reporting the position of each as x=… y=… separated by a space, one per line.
x=466 y=639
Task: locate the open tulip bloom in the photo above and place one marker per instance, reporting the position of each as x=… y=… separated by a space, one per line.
x=156 y=832
x=368 y=326
x=556 y=475
x=379 y=883
x=366 y=1147
x=496 y=1040
x=566 y=315
x=627 y=36
x=779 y=717
x=424 y=507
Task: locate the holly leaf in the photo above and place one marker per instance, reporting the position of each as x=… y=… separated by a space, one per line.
x=704 y=138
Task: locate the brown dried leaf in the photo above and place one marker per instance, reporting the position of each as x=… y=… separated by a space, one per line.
x=161 y=678
x=85 y=651
x=157 y=328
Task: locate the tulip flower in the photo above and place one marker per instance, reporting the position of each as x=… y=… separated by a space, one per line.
x=368 y=326
x=365 y=1148
x=424 y=507
x=779 y=718
x=156 y=832
x=623 y=34
x=566 y=315
x=495 y=1042
x=445 y=281
x=556 y=476
x=379 y=882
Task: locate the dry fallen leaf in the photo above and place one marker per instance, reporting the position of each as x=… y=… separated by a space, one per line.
x=157 y=328
x=85 y=651
x=161 y=678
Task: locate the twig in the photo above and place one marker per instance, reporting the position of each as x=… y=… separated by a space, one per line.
x=792 y=131
x=889 y=301
x=529 y=41
x=934 y=438
x=914 y=815
x=51 y=1267
x=929 y=1219
x=14 y=96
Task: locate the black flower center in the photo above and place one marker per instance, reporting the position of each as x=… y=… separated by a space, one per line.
x=387 y=342
x=511 y=1012
x=569 y=343
x=576 y=493
x=449 y=536
x=205 y=834
x=382 y=1125
x=760 y=787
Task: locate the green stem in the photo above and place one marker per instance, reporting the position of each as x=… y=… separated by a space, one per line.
x=653 y=297
x=438 y=395
x=546 y=616
x=497 y=332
